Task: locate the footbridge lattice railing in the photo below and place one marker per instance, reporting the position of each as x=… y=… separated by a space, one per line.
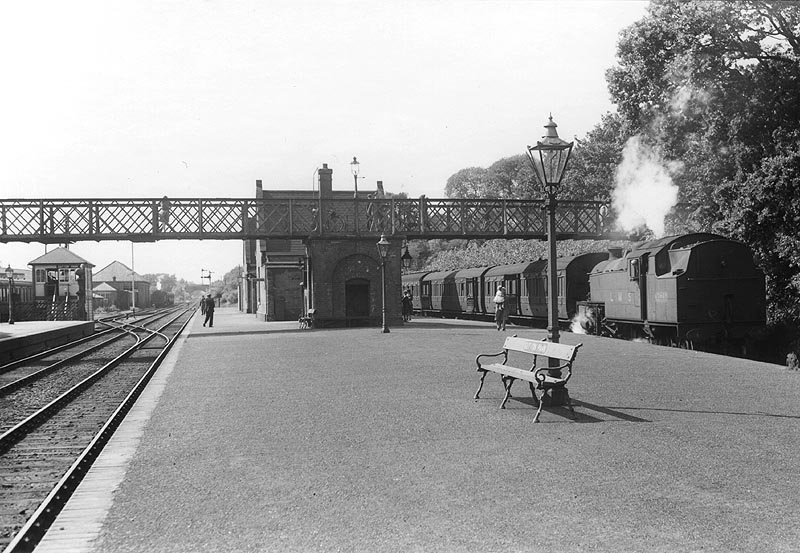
x=70 y=220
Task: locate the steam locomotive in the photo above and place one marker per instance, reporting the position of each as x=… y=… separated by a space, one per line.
x=681 y=290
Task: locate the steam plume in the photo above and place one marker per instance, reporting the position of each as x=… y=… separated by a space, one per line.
x=643 y=189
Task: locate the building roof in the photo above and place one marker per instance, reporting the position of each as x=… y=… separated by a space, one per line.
x=59 y=256
x=116 y=271
x=104 y=287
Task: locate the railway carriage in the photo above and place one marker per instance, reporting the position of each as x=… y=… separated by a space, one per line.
x=22 y=293
x=443 y=293
x=469 y=288
x=420 y=290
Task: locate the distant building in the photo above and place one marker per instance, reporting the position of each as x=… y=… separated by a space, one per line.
x=122 y=278
x=105 y=295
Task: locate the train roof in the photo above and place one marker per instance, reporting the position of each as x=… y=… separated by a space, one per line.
x=517 y=268
x=473 y=272
x=440 y=275
x=652 y=247
x=672 y=242
x=415 y=275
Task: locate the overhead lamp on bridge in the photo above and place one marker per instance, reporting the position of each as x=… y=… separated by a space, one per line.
x=406 y=257
x=354 y=168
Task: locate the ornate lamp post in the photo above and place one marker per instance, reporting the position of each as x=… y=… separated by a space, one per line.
x=354 y=167
x=10 y=276
x=383 y=251
x=549 y=160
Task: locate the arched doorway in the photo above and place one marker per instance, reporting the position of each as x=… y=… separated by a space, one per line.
x=356 y=300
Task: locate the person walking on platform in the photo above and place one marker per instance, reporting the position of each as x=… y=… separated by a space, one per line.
x=203 y=304
x=500 y=308
x=209 y=301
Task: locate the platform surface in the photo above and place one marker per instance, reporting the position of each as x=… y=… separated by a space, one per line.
x=260 y=437
x=24 y=338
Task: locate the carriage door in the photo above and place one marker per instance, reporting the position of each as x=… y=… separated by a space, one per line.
x=643 y=286
x=637 y=272
x=474 y=291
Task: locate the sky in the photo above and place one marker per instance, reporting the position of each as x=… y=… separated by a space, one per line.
x=199 y=99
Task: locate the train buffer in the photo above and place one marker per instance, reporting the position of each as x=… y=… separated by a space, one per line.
x=548 y=379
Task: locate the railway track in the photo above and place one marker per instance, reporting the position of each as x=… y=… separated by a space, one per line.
x=59 y=409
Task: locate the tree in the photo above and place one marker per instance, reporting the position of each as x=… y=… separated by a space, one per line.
x=707 y=83
x=768 y=218
x=473 y=182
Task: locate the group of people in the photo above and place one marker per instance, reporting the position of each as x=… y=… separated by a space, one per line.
x=499 y=311
x=207 y=309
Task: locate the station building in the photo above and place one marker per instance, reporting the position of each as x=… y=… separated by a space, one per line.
x=121 y=279
x=338 y=278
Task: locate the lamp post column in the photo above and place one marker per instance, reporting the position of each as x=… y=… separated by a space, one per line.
x=354 y=168
x=383 y=295
x=552 y=271
x=383 y=252
x=11 y=300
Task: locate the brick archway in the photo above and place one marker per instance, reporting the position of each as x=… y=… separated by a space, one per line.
x=359 y=274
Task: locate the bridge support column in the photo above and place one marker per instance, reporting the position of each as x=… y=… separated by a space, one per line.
x=345 y=282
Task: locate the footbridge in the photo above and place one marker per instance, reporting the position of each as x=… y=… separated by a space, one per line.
x=291 y=217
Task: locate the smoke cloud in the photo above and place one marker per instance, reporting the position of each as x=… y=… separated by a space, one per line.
x=643 y=190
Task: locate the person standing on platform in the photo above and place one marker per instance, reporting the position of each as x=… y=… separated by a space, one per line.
x=203 y=304
x=500 y=308
x=209 y=301
x=408 y=305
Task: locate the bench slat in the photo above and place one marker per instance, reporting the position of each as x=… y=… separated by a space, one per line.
x=520 y=374
x=537 y=347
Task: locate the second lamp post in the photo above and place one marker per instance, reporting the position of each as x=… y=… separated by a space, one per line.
x=383 y=251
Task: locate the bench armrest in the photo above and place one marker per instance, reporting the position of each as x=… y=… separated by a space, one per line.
x=478 y=358
x=541 y=373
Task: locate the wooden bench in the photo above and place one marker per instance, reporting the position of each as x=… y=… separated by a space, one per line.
x=307 y=320
x=545 y=378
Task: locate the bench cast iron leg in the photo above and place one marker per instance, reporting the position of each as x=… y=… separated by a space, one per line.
x=483 y=375
x=569 y=404
x=508 y=383
x=541 y=404
x=533 y=393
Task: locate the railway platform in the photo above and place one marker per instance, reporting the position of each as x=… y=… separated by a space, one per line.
x=25 y=338
x=261 y=437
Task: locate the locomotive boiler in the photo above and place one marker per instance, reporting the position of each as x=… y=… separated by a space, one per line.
x=686 y=289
